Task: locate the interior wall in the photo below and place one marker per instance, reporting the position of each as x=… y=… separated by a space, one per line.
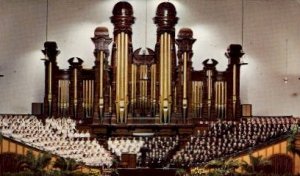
x=268 y=24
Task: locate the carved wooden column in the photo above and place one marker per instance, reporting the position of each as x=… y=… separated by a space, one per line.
x=185 y=43
x=101 y=40
x=234 y=54
x=51 y=83
x=76 y=109
x=122 y=20
x=165 y=21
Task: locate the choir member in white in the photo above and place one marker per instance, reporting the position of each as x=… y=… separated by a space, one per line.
x=58 y=136
x=159 y=148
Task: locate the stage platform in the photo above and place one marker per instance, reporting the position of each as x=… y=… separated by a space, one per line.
x=100 y=130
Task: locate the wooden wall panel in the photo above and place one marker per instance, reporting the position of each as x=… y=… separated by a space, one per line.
x=277 y=148
x=5 y=145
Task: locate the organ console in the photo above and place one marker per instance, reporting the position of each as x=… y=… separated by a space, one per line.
x=160 y=83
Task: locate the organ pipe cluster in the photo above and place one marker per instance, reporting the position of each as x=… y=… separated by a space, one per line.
x=127 y=84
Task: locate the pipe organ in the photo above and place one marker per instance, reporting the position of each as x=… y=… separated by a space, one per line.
x=127 y=84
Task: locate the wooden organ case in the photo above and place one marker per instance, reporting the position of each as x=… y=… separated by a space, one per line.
x=158 y=84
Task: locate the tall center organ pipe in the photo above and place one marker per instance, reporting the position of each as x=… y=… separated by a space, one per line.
x=122 y=77
x=209 y=74
x=165 y=77
x=50 y=88
x=234 y=89
x=75 y=92
x=184 y=101
x=101 y=100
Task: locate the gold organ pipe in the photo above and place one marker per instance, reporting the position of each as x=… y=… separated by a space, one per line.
x=101 y=72
x=209 y=84
x=220 y=99
x=221 y=94
x=165 y=79
x=67 y=93
x=93 y=90
x=154 y=81
x=169 y=69
x=234 y=89
x=90 y=96
x=195 y=98
x=110 y=100
x=122 y=60
x=142 y=85
x=141 y=96
x=145 y=85
x=83 y=95
x=217 y=95
x=142 y=76
x=234 y=80
x=75 y=92
x=101 y=76
x=161 y=74
x=167 y=75
x=133 y=83
x=59 y=95
x=50 y=79
x=118 y=75
x=209 y=92
x=75 y=86
x=62 y=94
x=50 y=88
x=184 y=74
x=184 y=101
x=126 y=70
x=86 y=96
x=198 y=97
x=122 y=67
x=223 y=98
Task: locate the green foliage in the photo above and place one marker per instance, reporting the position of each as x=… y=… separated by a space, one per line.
x=36 y=164
x=67 y=164
x=222 y=167
x=180 y=172
x=256 y=165
x=114 y=172
x=291 y=139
